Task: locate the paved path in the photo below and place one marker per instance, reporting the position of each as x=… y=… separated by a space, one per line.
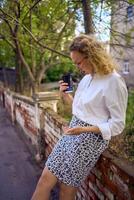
x=18 y=170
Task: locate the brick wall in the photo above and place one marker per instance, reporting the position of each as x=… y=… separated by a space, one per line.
x=23 y=111
x=111 y=178
x=52 y=129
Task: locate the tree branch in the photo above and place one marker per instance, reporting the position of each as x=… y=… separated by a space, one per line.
x=121 y=45
x=23 y=60
x=64 y=27
x=7 y=22
x=31 y=9
x=17 y=14
x=15 y=39
x=41 y=71
x=34 y=38
x=4 y=38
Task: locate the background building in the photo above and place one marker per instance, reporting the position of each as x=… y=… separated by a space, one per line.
x=122 y=39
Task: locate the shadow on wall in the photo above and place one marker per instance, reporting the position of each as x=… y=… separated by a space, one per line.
x=8 y=76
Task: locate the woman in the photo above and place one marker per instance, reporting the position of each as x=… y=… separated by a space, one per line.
x=98 y=107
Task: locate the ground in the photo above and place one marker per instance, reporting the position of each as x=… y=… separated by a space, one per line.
x=19 y=172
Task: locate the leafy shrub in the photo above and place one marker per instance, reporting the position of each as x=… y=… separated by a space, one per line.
x=54 y=73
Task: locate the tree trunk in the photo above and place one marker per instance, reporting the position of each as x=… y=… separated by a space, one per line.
x=19 y=75
x=21 y=81
x=35 y=88
x=86 y=4
x=33 y=64
x=17 y=84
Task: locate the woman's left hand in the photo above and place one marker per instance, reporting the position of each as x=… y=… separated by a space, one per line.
x=73 y=131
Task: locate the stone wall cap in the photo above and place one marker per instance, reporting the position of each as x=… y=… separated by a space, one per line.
x=42 y=96
x=122 y=163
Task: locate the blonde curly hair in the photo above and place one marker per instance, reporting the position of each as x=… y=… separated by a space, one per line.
x=95 y=52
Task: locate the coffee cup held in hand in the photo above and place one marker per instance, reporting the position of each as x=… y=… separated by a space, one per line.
x=67 y=78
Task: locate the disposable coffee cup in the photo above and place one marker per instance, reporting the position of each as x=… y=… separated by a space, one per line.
x=67 y=78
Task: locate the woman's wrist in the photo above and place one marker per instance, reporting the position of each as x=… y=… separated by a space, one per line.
x=94 y=129
x=66 y=97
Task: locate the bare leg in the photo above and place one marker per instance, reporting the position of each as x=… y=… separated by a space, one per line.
x=67 y=192
x=45 y=184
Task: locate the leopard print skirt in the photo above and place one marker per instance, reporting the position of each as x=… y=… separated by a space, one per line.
x=75 y=155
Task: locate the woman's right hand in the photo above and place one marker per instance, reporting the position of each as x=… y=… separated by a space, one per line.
x=63 y=86
x=67 y=97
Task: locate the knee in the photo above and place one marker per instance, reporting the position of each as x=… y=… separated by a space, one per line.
x=47 y=179
x=66 y=191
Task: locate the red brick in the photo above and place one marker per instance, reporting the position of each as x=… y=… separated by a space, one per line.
x=123 y=191
x=91 y=195
x=97 y=173
x=84 y=185
x=104 y=190
x=83 y=192
x=96 y=190
x=79 y=196
x=109 y=184
x=92 y=178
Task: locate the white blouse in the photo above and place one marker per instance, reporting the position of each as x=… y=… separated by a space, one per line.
x=102 y=101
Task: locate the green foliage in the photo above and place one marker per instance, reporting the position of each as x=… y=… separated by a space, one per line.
x=131 y=1
x=130 y=111
x=129 y=131
x=123 y=144
x=54 y=73
x=6 y=55
x=50 y=22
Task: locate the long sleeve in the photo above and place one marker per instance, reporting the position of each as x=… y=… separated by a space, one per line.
x=116 y=96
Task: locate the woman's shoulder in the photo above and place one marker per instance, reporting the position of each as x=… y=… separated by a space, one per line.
x=115 y=80
x=109 y=78
x=115 y=77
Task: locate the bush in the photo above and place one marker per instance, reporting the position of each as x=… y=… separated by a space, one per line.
x=55 y=73
x=129 y=130
x=130 y=114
